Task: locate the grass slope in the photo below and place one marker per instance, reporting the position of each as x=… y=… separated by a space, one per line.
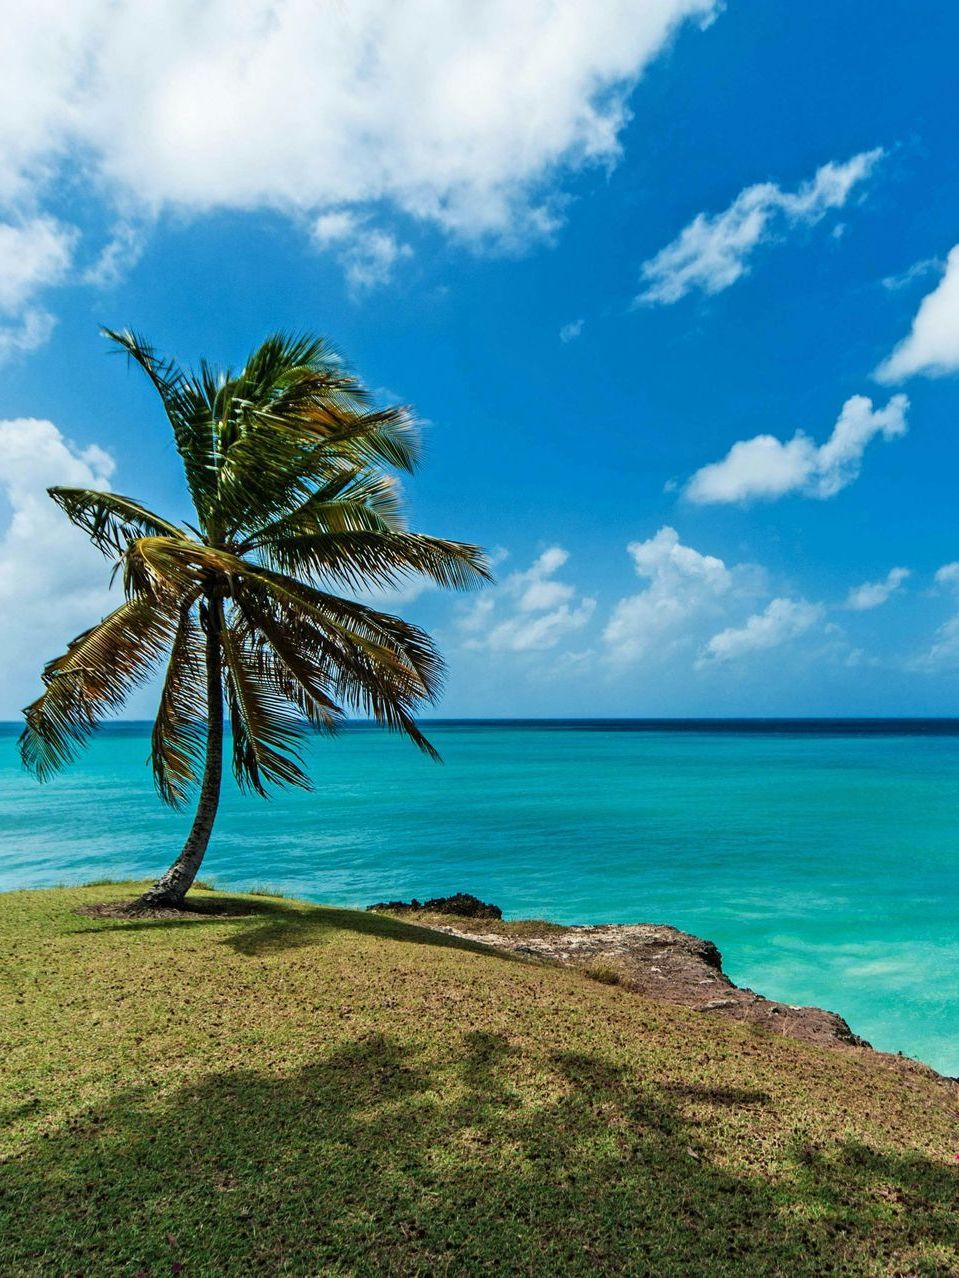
x=320 y=1092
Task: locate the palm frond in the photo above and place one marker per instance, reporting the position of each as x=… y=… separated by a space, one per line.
x=352 y=501
x=279 y=451
x=110 y=520
x=165 y=568
x=179 y=734
x=406 y=652
x=174 y=567
x=385 y=436
x=92 y=678
x=288 y=665
x=363 y=558
x=366 y=660
x=265 y=732
x=187 y=411
x=298 y=365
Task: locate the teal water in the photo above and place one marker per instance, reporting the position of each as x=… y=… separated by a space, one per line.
x=821 y=858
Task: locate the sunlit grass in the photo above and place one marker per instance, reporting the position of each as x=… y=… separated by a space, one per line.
x=286 y=1089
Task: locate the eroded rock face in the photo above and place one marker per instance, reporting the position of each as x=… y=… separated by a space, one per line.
x=661 y=962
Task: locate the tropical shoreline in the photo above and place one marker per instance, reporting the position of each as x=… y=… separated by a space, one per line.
x=822 y=866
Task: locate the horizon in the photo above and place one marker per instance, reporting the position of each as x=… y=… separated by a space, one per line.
x=585 y=719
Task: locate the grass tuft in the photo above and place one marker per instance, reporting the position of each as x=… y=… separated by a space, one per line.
x=602 y=972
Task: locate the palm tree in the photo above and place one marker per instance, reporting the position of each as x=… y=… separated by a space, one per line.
x=287 y=464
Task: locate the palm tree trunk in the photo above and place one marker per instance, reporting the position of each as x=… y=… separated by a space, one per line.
x=172 y=887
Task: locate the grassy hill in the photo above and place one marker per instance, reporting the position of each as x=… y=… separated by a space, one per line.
x=275 y=1088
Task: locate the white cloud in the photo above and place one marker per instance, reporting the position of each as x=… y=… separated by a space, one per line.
x=35 y=253
x=542 y=610
x=711 y=253
x=30 y=332
x=459 y=112
x=765 y=468
x=464 y=114
x=872 y=594
x=948 y=575
x=780 y=621
x=368 y=255
x=569 y=332
x=118 y=256
x=53 y=583
x=684 y=586
x=943 y=653
x=932 y=346
x=892 y=283
x=334 y=227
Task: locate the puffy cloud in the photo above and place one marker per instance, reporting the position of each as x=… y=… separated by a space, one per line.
x=948 y=575
x=53 y=583
x=542 y=610
x=932 y=346
x=32 y=254
x=569 y=332
x=872 y=594
x=120 y=253
x=35 y=253
x=455 y=111
x=711 y=253
x=368 y=255
x=465 y=114
x=29 y=332
x=684 y=585
x=780 y=621
x=765 y=468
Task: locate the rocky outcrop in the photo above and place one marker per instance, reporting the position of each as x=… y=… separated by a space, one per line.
x=653 y=960
x=462 y=904
x=661 y=962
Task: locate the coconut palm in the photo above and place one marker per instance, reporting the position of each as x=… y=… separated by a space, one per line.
x=287 y=464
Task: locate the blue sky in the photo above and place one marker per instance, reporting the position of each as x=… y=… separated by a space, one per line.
x=631 y=262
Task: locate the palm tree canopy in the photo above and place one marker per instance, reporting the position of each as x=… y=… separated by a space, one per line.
x=288 y=466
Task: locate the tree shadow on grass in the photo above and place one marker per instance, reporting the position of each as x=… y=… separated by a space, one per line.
x=272 y=926
x=285 y=927
x=732 y=1097
x=378 y=1160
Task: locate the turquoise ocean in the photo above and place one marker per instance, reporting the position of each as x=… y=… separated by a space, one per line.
x=821 y=856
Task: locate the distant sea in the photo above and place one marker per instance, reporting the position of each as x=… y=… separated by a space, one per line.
x=822 y=856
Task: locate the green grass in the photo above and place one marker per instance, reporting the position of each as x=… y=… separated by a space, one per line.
x=284 y=1089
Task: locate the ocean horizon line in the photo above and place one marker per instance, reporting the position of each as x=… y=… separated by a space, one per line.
x=920 y=725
